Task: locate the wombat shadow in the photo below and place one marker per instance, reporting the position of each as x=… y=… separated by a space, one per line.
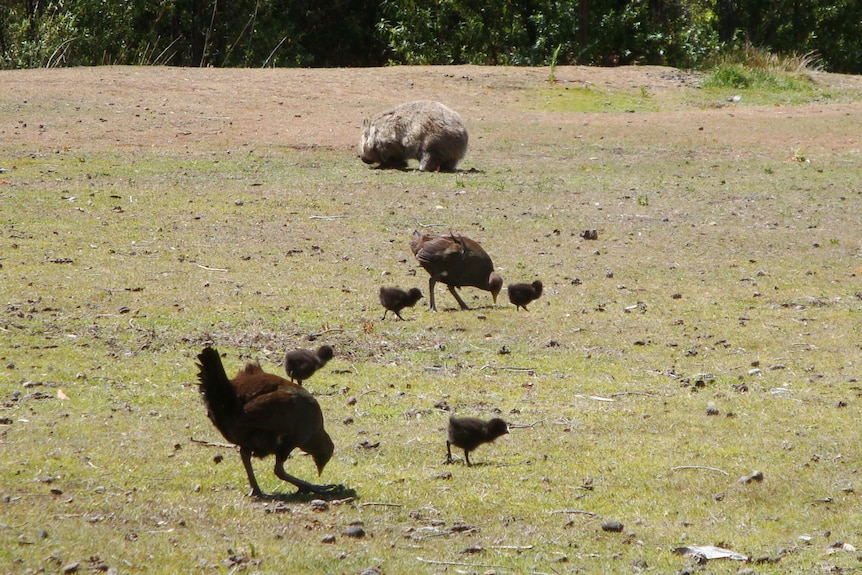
x=416 y=169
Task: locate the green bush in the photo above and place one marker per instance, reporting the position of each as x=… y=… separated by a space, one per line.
x=30 y=40
x=733 y=76
x=677 y=33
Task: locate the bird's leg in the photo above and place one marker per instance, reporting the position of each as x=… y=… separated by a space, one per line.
x=303 y=486
x=399 y=316
x=431 y=283
x=467 y=458
x=449 y=452
x=454 y=292
x=246 y=461
x=384 y=315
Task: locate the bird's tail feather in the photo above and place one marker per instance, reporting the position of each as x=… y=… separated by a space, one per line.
x=218 y=394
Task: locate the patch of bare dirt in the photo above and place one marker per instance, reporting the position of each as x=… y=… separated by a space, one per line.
x=200 y=109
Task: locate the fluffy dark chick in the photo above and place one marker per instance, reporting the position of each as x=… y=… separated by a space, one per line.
x=468 y=433
x=300 y=364
x=522 y=294
x=395 y=299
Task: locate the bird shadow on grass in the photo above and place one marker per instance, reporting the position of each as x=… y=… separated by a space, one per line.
x=339 y=492
x=469 y=309
x=459 y=462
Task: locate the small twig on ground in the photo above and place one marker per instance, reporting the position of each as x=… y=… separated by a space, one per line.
x=327 y=218
x=646 y=393
x=511 y=547
x=314 y=336
x=459 y=563
x=526 y=425
x=528 y=370
x=379 y=504
x=573 y=512
x=594 y=397
x=212 y=443
x=209 y=269
x=717 y=470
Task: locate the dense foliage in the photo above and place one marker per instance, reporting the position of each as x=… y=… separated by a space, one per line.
x=373 y=32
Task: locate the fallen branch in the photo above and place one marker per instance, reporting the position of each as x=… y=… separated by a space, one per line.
x=717 y=470
x=379 y=504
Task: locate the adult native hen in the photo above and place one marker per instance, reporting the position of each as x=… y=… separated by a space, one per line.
x=456 y=261
x=264 y=414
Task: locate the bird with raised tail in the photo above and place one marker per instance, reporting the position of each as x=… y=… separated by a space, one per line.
x=456 y=261
x=264 y=414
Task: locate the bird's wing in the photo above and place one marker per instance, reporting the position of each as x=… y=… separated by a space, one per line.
x=287 y=411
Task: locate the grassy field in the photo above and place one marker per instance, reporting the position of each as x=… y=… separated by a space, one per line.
x=711 y=331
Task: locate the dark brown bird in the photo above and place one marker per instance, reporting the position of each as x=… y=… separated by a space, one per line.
x=264 y=414
x=522 y=294
x=468 y=433
x=300 y=364
x=395 y=299
x=455 y=261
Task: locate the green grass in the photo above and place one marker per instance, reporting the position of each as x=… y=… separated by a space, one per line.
x=745 y=77
x=743 y=259
x=594 y=100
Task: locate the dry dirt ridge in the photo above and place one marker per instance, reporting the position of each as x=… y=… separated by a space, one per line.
x=152 y=107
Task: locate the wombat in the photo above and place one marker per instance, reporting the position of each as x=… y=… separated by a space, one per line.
x=423 y=130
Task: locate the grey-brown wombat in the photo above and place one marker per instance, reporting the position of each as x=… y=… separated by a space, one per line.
x=423 y=130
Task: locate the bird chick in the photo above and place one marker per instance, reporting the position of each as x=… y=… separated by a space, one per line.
x=522 y=294
x=395 y=299
x=468 y=433
x=300 y=364
x=264 y=414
